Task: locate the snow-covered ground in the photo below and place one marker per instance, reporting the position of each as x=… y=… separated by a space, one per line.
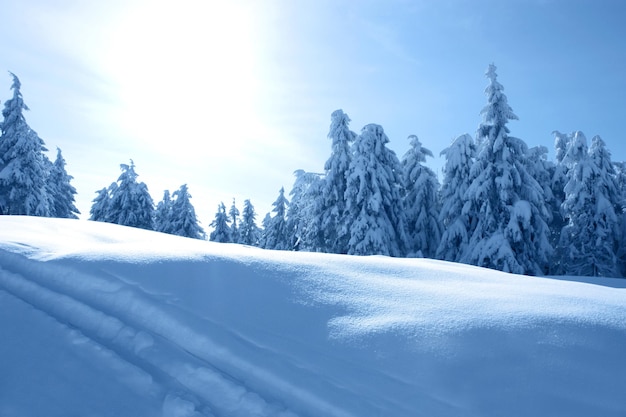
x=102 y=320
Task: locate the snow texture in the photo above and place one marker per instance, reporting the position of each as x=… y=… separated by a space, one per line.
x=104 y=320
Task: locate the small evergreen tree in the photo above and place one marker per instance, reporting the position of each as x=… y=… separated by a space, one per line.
x=421 y=201
x=233 y=213
x=248 y=230
x=163 y=214
x=131 y=203
x=61 y=191
x=23 y=171
x=303 y=221
x=184 y=221
x=276 y=235
x=374 y=217
x=455 y=220
x=221 y=230
x=100 y=207
x=589 y=239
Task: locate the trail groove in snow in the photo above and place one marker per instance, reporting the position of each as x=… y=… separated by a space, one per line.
x=145 y=335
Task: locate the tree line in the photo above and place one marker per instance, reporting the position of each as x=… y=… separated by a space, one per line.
x=500 y=205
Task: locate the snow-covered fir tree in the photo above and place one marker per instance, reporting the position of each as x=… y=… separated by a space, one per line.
x=265 y=223
x=589 y=239
x=421 y=201
x=303 y=220
x=131 y=203
x=275 y=234
x=511 y=233
x=454 y=220
x=183 y=219
x=163 y=214
x=334 y=235
x=221 y=229
x=249 y=232
x=100 y=207
x=233 y=214
x=61 y=191
x=23 y=171
x=374 y=215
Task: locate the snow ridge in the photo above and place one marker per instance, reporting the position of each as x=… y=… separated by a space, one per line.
x=194 y=370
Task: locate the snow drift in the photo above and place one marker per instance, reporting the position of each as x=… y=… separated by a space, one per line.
x=103 y=320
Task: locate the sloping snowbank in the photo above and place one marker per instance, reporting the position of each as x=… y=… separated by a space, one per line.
x=103 y=320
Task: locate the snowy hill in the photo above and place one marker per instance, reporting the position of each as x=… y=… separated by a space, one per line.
x=102 y=320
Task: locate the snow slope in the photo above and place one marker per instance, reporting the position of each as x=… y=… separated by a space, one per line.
x=102 y=320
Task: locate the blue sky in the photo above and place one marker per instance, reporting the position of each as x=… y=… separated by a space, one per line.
x=231 y=97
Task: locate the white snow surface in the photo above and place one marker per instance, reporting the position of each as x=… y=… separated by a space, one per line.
x=102 y=320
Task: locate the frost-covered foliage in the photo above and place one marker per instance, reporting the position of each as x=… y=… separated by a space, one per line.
x=421 y=201
x=374 y=215
x=163 y=214
x=249 y=232
x=100 y=206
x=303 y=215
x=332 y=208
x=275 y=232
x=184 y=221
x=590 y=238
x=511 y=233
x=131 y=203
x=233 y=215
x=221 y=229
x=454 y=220
x=60 y=190
x=23 y=171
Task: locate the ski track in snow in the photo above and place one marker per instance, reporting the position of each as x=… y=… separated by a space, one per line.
x=195 y=371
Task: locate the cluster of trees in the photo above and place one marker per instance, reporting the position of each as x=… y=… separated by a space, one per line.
x=501 y=204
x=30 y=184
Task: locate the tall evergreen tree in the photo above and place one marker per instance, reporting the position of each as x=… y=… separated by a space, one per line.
x=233 y=213
x=248 y=230
x=23 y=172
x=455 y=220
x=421 y=201
x=511 y=233
x=589 y=239
x=374 y=215
x=184 y=221
x=61 y=191
x=276 y=235
x=163 y=214
x=332 y=204
x=131 y=203
x=221 y=230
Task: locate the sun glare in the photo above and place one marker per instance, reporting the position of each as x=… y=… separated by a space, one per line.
x=186 y=73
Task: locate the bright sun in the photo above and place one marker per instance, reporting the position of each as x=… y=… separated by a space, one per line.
x=186 y=72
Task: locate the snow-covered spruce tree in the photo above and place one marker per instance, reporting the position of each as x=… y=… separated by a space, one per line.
x=221 y=229
x=100 y=207
x=61 y=191
x=163 y=214
x=275 y=234
x=589 y=239
x=332 y=203
x=233 y=213
x=455 y=221
x=421 y=201
x=265 y=223
x=620 y=181
x=131 y=203
x=303 y=221
x=248 y=230
x=511 y=233
x=23 y=172
x=374 y=216
x=184 y=221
